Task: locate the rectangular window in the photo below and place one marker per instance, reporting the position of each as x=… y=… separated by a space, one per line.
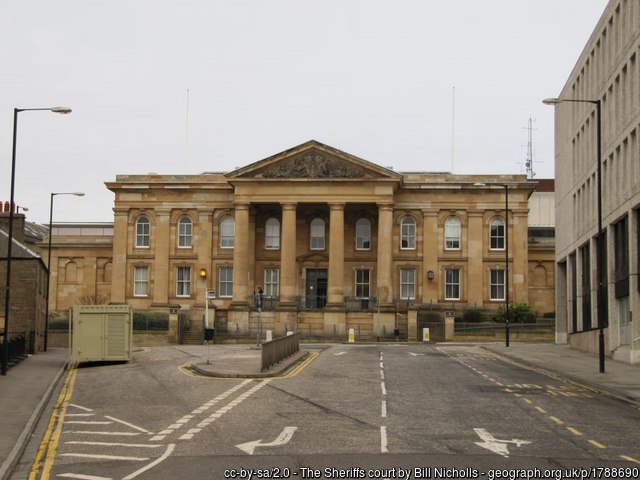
x=140 y=281
x=585 y=253
x=271 y=283
x=497 y=285
x=407 y=283
x=185 y=229
x=497 y=235
x=363 y=283
x=225 y=281
x=452 y=236
x=621 y=232
x=183 y=282
x=452 y=284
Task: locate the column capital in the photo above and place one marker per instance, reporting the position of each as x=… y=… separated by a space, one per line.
x=289 y=206
x=385 y=206
x=337 y=205
x=241 y=206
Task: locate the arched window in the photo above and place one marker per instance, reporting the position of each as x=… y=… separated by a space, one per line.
x=497 y=234
x=272 y=234
x=452 y=233
x=363 y=234
x=185 y=232
x=143 y=232
x=317 y=234
x=408 y=234
x=227 y=232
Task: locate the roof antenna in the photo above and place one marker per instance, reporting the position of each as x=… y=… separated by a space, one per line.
x=529 y=161
x=453 y=125
x=186 y=138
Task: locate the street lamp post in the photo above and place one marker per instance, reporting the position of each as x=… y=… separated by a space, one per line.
x=601 y=294
x=46 y=307
x=5 y=338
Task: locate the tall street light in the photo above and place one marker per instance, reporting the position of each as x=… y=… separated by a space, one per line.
x=5 y=338
x=46 y=311
x=601 y=294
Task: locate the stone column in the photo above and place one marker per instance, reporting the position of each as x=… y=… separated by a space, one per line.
x=119 y=267
x=385 y=247
x=241 y=257
x=430 y=249
x=477 y=277
x=202 y=243
x=336 y=256
x=288 y=257
x=161 y=239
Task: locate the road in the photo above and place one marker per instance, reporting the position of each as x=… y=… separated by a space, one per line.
x=355 y=411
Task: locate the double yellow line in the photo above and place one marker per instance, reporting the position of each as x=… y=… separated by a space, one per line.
x=43 y=461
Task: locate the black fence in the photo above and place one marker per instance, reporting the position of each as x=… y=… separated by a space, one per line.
x=17 y=345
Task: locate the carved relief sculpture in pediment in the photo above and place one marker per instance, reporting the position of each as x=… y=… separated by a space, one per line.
x=313 y=166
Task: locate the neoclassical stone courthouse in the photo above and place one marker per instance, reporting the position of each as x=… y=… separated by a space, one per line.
x=312 y=239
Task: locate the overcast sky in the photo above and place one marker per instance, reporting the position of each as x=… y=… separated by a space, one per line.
x=370 y=77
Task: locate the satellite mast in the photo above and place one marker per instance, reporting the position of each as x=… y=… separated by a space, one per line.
x=529 y=160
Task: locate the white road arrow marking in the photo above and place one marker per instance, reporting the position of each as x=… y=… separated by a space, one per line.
x=417 y=354
x=282 y=439
x=496 y=445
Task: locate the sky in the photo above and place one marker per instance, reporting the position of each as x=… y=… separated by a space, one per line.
x=176 y=87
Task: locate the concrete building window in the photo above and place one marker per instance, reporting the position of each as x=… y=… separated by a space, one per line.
x=183 y=282
x=185 y=232
x=497 y=234
x=585 y=253
x=317 y=234
x=497 y=284
x=143 y=232
x=272 y=283
x=363 y=283
x=225 y=281
x=408 y=234
x=452 y=233
x=140 y=281
x=407 y=283
x=621 y=238
x=363 y=234
x=452 y=284
x=227 y=232
x=272 y=234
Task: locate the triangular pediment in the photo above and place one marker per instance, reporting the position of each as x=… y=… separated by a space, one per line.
x=313 y=160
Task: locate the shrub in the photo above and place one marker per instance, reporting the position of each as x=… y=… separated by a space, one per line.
x=150 y=321
x=518 y=313
x=472 y=315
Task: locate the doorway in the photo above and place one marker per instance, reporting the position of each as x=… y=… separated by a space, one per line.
x=316 y=288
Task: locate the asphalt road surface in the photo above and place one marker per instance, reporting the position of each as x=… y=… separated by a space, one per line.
x=354 y=411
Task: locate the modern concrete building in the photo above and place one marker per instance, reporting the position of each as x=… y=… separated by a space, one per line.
x=542 y=248
x=606 y=78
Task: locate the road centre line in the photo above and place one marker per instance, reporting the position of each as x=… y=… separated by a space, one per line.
x=596 y=444
x=384 y=389
x=574 y=431
x=384 y=409
x=383 y=440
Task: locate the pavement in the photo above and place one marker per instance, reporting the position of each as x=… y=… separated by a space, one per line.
x=27 y=388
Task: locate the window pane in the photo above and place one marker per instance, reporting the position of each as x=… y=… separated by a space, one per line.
x=363 y=286
x=272 y=234
x=141 y=281
x=317 y=234
x=227 y=232
x=363 y=234
x=184 y=232
x=408 y=234
x=183 y=285
x=225 y=281
x=497 y=285
x=497 y=234
x=143 y=229
x=407 y=283
x=271 y=282
x=452 y=233
x=452 y=284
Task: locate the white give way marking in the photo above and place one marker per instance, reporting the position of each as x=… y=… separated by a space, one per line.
x=496 y=445
x=282 y=439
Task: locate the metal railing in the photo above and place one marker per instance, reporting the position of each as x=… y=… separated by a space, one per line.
x=354 y=304
x=279 y=349
x=17 y=346
x=267 y=304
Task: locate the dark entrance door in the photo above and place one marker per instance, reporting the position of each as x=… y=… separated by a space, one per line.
x=316 y=291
